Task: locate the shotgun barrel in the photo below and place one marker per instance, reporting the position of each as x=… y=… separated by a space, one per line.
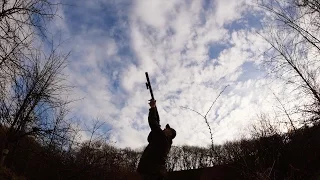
x=148 y=84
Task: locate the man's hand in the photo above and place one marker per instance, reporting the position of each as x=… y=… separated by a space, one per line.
x=152 y=103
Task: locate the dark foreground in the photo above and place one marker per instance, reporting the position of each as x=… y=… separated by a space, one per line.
x=211 y=173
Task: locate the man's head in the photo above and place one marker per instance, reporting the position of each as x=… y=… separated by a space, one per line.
x=169 y=132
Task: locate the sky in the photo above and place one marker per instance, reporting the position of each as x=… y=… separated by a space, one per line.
x=191 y=49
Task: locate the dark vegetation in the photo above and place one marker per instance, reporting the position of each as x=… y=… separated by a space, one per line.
x=295 y=155
x=37 y=141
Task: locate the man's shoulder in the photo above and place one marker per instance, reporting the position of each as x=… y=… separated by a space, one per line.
x=155 y=135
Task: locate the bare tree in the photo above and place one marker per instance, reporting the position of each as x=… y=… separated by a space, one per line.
x=172 y=162
x=36 y=93
x=95 y=152
x=130 y=158
x=31 y=80
x=20 y=21
x=293 y=27
x=264 y=127
x=206 y=120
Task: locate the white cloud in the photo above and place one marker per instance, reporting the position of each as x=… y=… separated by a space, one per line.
x=228 y=11
x=171 y=40
x=155 y=12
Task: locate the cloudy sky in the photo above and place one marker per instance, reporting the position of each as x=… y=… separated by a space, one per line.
x=192 y=49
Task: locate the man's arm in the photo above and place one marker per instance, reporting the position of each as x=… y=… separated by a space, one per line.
x=153 y=119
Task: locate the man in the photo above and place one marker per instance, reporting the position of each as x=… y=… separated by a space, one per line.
x=152 y=162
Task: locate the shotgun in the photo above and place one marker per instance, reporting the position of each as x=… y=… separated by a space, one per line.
x=148 y=84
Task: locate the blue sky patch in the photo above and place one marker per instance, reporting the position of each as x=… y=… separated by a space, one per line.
x=216 y=49
x=248 y=21
x=250 y=71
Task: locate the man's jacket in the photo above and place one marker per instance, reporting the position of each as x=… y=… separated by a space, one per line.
x=154 y=156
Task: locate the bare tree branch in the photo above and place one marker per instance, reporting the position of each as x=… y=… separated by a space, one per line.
x=205 y=117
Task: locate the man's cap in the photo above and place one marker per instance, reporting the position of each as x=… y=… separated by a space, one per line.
x=174 y=133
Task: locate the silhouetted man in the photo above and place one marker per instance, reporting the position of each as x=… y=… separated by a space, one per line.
x=153 y=160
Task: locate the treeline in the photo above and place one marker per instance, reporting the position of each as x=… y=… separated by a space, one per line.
x=269 y=155
x=293 y=155
x=90 y=160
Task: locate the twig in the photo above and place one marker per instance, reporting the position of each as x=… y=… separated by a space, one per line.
x=285 y=111
x=205 y=116
x=216 y=99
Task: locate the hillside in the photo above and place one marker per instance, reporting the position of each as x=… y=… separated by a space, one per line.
x=295 y=155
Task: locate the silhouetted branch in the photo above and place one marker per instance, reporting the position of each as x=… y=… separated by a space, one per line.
x=205 y=116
